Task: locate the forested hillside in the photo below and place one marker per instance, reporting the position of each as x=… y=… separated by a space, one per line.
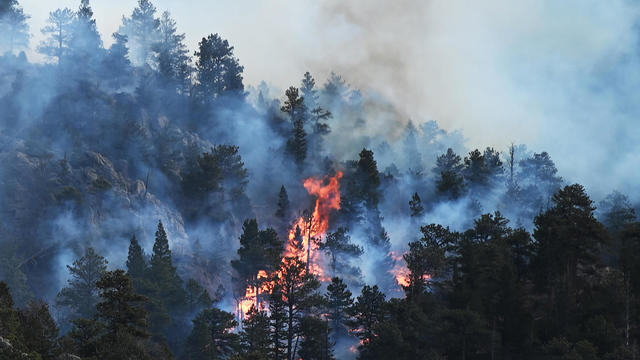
x=154 y=206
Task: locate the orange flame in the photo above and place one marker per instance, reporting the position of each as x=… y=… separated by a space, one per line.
x=314 y=226
x=400 y=271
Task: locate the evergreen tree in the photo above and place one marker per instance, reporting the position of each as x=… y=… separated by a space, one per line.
x=136 y=263
x=316 y=344
x=116 y=63
x=294 y=106
x=259 y=250
x=368 y=178
x=211 y=337
x=9 y=317
x=448 y=171
x=295 y=290
x=218 y=71
x=255 y=334
x=283 y=204
x=367 y=312
x=39 y=330
x=58 y=33
x=567 y=237
x=142 y=31
x=309 y=92
x=277 y=324
x=14 y=27
x=85 y=42
x=197 y=297
x=415 y=205
x=173 y=62
x=339 y=303
x=124 y=317
x=163 y=274
x=338 y=244
x=81 y=295
x=426 y=257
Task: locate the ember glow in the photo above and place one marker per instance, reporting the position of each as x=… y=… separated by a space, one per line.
x=401 y=272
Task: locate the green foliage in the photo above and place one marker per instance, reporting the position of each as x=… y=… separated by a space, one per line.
x=218 y=71
x=316 y=344
x=211 y=337
x=339 y=302
x=255 y=335
x=448 y=169
x=338 y=246
x=81 y=295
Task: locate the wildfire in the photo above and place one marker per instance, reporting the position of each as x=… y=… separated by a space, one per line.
x=312 y=227
x=400 y=271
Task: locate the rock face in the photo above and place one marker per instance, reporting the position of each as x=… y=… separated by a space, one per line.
x=54 y=207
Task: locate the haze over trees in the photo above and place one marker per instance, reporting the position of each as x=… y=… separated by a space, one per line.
x=154 y=206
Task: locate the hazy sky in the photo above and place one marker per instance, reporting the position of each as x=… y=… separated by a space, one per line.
x=560 y=76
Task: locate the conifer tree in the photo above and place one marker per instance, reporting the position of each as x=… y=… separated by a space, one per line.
x=123 y=316
x=197 y=297
x=211 y=337
x=218 y=71
x=39 y=330
x=14 y=27
x=294 y=106
x=316 y=344
x=339 y=303
x=81 y=295
x=173 y=62
x=163 y=274
x=58 y=33
x=283 y=204
x=141 y=28
x=136 y=263
x=368 y=178
x=255 y=334
x=415 y=205
x=295 y=290
x=367 y=312
x=338 y=244
x=448 y=171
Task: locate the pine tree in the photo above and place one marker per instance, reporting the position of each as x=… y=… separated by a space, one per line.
x=85 y=42
x=283 y=204
x=211 y=337
x=136 y=263
x=218 y=71
x=173 y=62
x=316 y=344
x=339 y=303
x=58 y=33
x=123 y=316
x=259 y=250
x=81 y=295
x=14 y=27
x=415 y=205
x=39 y=330
x=367 y=312
x=295 y=290
x=255 y=334
x=116 y=62
x=142 y=31
x=426 y=257
x=295 y=108
x=368 y=178
x=338 y=244
x=197 y=297
x=448 y=170
x=309 y=92
x=163 y=274
x=277 y=324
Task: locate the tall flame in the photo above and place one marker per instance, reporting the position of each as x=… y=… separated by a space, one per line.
x=313 y=226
